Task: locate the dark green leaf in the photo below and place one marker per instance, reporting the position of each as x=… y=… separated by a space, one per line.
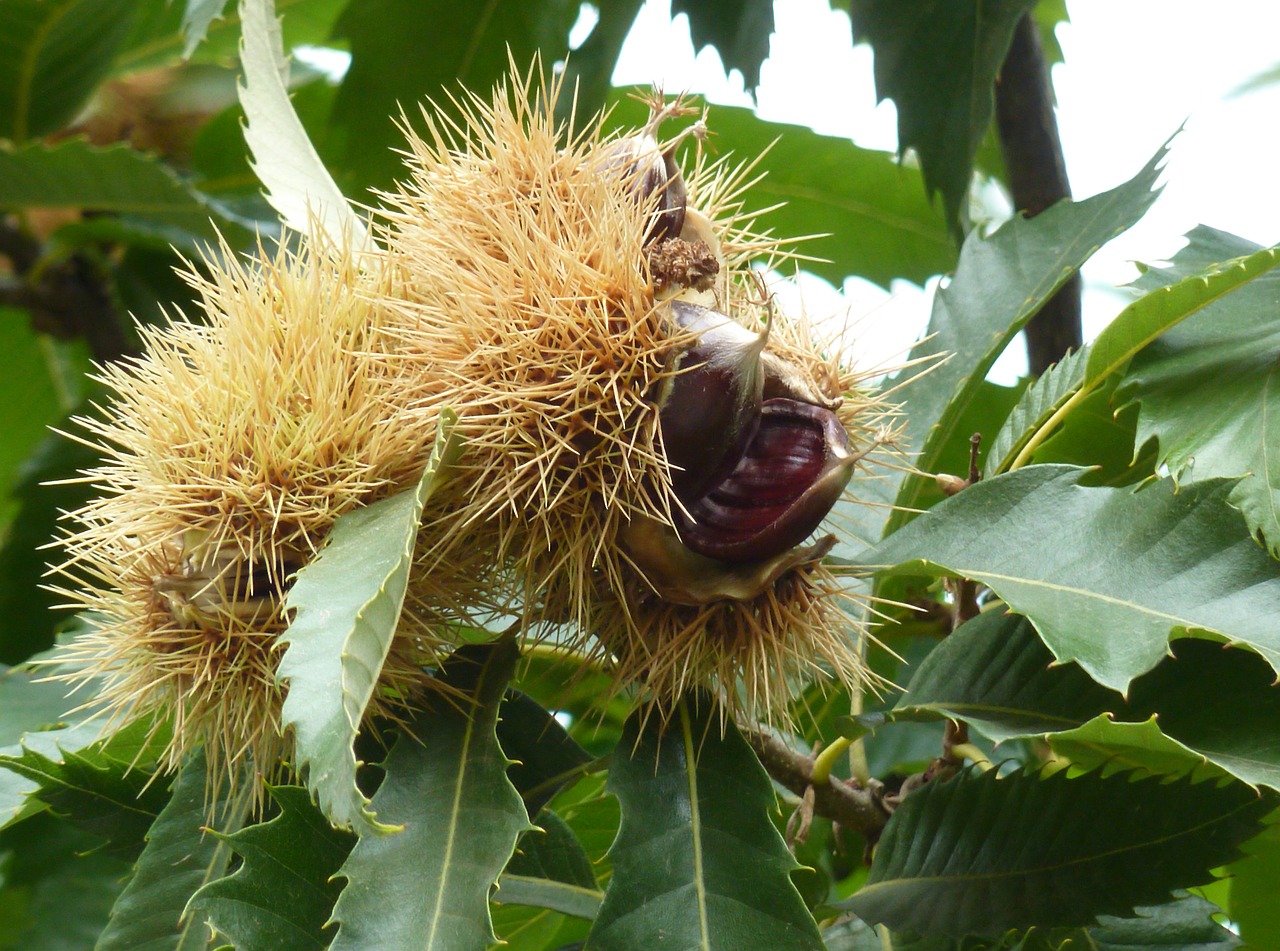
x=938 y=63
x=1208 y=388
x=95 y=792
x=1106 y=575
x=982 y=854
x=27 y=618
x=345 y=606
x=1000 y=283
x=56 y=891
x=870 y=213
x=545 y=758
x=281 y=897
x=75 y=174
x=428 y=885
x=53 y=53
x=1210 y=704
x=994 y=672
x=435 y=47
x=738 y=29
x=552 y=851
x=697 y=859
x=179 y=857
x=590 y=67
x=1183 y=925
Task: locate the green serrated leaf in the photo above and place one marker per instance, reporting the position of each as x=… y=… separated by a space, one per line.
x=53 y=54
x=346 y=604
x=57 y=890
x=117 y=179
x=938 y=63
x=552 y=851
x=296 y=181
x=460 y=815
x=870 y=214
x=178 y=859
x=1038 y=403
x=1164 y=307
x=95 y=793
x=1161 y=564
x=281 y=896
x=195 y=22
x=994 y=672
x=980 y=853
x=1185 y=924
x=738 y=29
x=1000 y=283
x=545 y=758
x=1255 y=882
x=1214 y=705
x=483 y=40
x=1208 y=390
x=1141 y=748
x=697 y=859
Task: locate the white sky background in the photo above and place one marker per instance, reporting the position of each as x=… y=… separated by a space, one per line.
x=1134 y=71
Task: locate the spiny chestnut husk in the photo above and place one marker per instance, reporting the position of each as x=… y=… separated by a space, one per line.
x=231 y=448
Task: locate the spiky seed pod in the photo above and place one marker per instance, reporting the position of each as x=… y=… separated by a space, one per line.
x=232 y=446
x=604 y=391
x=524 y=304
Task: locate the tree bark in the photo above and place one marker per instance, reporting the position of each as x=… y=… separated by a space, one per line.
x=1038 y=178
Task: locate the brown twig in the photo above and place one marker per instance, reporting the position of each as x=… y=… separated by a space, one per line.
x=1037 y=178
x=840 y=800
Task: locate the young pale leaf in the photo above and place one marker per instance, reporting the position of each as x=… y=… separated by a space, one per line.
x=281 y=897
x=427 y=886
x=178 y=859
x=76 y=175
x=1209 y=389
x=938 y=63
x=1000 y=283
x=297 y=184
x=346 y=604
x=195 y=22
x=697 y=859
x=547 y=893
x=831 y=189
x=1162 y=564
x=981 y=854
x=1038 y=403
x=53 y=54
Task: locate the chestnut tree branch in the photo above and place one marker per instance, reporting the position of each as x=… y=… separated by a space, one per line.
x=847 y=803
x=1037 y=177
